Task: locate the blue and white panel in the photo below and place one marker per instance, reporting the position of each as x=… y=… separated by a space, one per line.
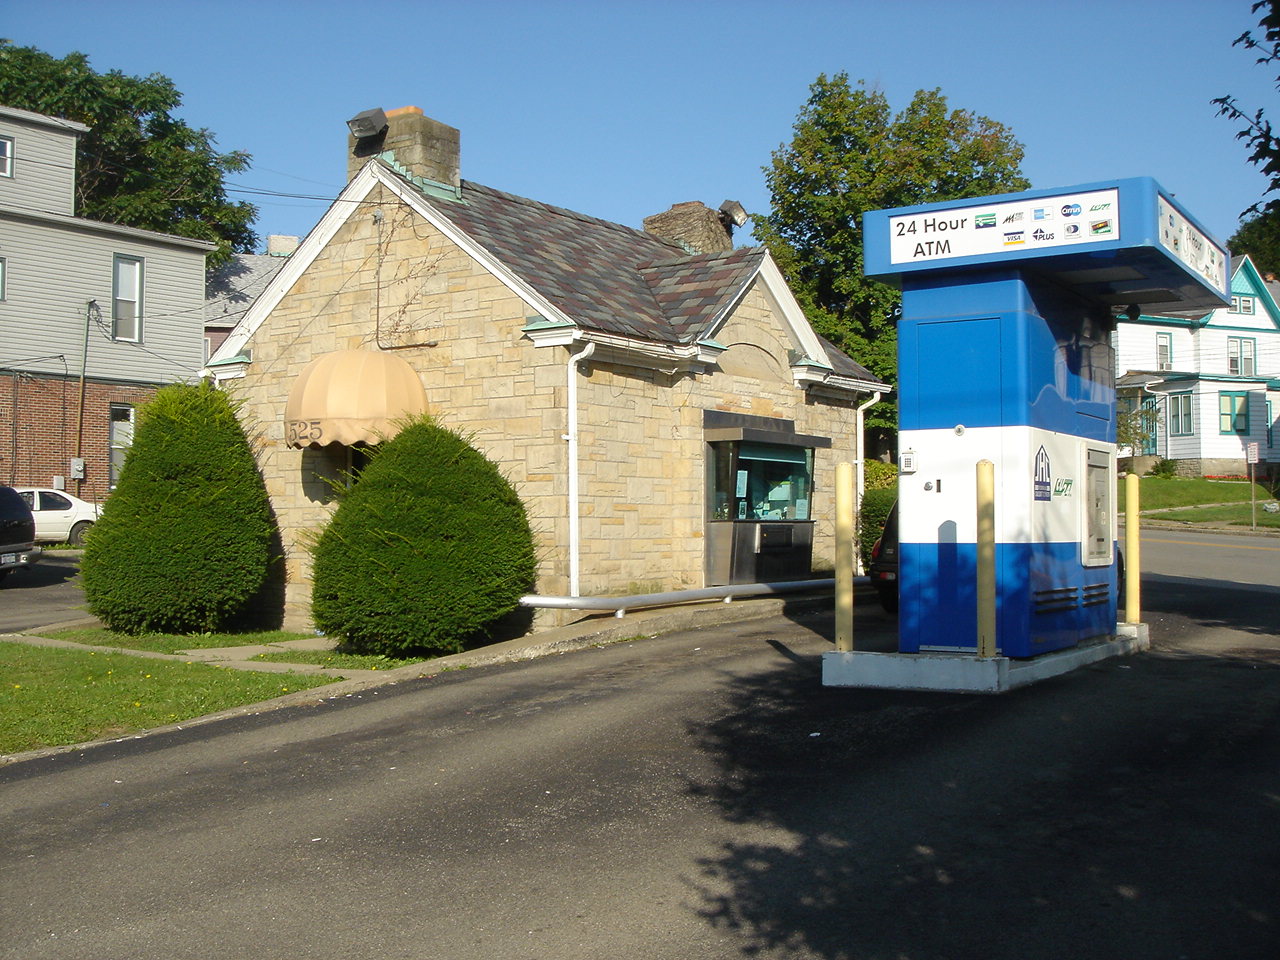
x=1055 y=533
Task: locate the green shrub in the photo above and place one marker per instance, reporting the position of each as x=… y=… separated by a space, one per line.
x=429 y=548
x=878 y=475
x=184 y=540
x=1163 y=467
x=876 y=505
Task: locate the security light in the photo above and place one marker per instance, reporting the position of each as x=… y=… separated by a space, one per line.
x=367 y=123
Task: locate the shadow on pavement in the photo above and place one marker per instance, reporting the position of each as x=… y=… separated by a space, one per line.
x=1126 y=810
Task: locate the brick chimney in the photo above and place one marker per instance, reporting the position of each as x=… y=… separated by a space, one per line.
x=694 y=226
x=424 y=147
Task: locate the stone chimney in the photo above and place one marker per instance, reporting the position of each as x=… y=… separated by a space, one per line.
x=694 y=226
x=424 y=147
x=281 y=245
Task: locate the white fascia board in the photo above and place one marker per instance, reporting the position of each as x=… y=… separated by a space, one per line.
x=832 y=384
x=775 y=285
x=340 y=211
x=500 y=270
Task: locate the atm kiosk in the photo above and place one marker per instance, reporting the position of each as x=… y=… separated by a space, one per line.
x=1004 y=354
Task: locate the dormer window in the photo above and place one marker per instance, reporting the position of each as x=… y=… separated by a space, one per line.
x=6 y=156
x=1240 y=304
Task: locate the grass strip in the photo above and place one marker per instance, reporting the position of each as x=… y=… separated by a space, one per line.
x=1236 y=514
x=336 y=661
x=51 y=697
x=169 y=642
x=1158 y=493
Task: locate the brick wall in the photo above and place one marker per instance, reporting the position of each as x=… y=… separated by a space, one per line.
x=39 y=446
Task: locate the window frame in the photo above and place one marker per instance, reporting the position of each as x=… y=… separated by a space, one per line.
x=1243 y=304
x=6 y=157
x=1181 y=414
x=118 y=261
x=1236 y=363
x=1237 y=415
x=113 y=466
x=1164 y=341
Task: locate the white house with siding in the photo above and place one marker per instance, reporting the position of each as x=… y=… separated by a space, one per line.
x=1209 y=385
x=93 y=316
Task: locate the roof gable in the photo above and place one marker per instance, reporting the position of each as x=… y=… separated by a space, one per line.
x=577 y=273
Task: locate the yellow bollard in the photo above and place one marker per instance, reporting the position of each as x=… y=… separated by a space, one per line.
x=986 y=543
x=1132 y=552
x=844 y=556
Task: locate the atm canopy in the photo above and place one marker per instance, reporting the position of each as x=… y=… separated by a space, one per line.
x=1118 y=243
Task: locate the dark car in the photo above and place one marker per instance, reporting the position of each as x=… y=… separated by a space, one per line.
x=883 y=569
x=17 y=533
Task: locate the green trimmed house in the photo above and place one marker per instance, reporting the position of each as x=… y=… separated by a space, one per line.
x=1209 y=385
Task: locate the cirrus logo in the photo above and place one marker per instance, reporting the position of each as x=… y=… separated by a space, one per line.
x=1071 y=210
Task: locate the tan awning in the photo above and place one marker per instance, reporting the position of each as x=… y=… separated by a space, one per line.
x=351 y=396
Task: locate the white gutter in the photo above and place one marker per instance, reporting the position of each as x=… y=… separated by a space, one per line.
x=571 y=374
x=860 y=474
x=620 y=605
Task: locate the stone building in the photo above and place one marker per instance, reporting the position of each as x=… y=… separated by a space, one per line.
x=658 y=399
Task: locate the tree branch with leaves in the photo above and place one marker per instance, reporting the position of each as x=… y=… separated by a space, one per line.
x=138 y=165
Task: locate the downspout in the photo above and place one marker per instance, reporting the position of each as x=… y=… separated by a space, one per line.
x=571 y=374
x=860 y=474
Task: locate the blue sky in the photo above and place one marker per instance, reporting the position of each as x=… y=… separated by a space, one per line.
x=619 y=109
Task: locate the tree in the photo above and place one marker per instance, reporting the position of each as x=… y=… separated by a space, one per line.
x=427 y=550
x=138 y=165
x=1257 y=132
x=849 y=154
x=184 y=542
x=1259 y=237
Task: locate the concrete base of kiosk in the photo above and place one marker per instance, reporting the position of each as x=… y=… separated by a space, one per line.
x=966 y=673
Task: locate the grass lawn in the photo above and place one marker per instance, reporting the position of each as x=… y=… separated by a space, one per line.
x=1158 y=493
x=1236 y=514
x=50 y=697
x=170 y=642
x=336 y=660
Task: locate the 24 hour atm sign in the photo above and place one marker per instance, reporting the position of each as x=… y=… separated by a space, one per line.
x=1066 y=220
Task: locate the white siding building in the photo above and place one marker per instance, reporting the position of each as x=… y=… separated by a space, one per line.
x=1210 y=385
x=93 y=316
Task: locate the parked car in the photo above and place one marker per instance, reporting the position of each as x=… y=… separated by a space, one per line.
x=60 y=517
x=883 y=568
x=17 y=533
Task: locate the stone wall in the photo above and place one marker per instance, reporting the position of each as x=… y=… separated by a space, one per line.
x=396 y=284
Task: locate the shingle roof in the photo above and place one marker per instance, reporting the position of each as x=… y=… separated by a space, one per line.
x=843 y=364
x=608 y=277
x=602 y=275
x=231 y=290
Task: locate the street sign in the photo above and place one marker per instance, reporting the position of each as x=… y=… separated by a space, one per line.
x=1251 y=452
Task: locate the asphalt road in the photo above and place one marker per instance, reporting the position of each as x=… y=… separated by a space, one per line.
x=689 y=796
x=45 y=593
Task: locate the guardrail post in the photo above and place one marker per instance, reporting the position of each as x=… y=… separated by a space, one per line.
x=1132 y=552
x=986 y=543
x=844 y=556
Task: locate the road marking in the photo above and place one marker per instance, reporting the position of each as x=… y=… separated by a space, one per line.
x=1201 y=543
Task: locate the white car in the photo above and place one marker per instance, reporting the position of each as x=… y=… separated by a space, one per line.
x=60 y=517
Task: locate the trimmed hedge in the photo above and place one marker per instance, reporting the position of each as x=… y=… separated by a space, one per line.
x=429 y=548
x=878 y=475
x=184 y=540
x=876 y=505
